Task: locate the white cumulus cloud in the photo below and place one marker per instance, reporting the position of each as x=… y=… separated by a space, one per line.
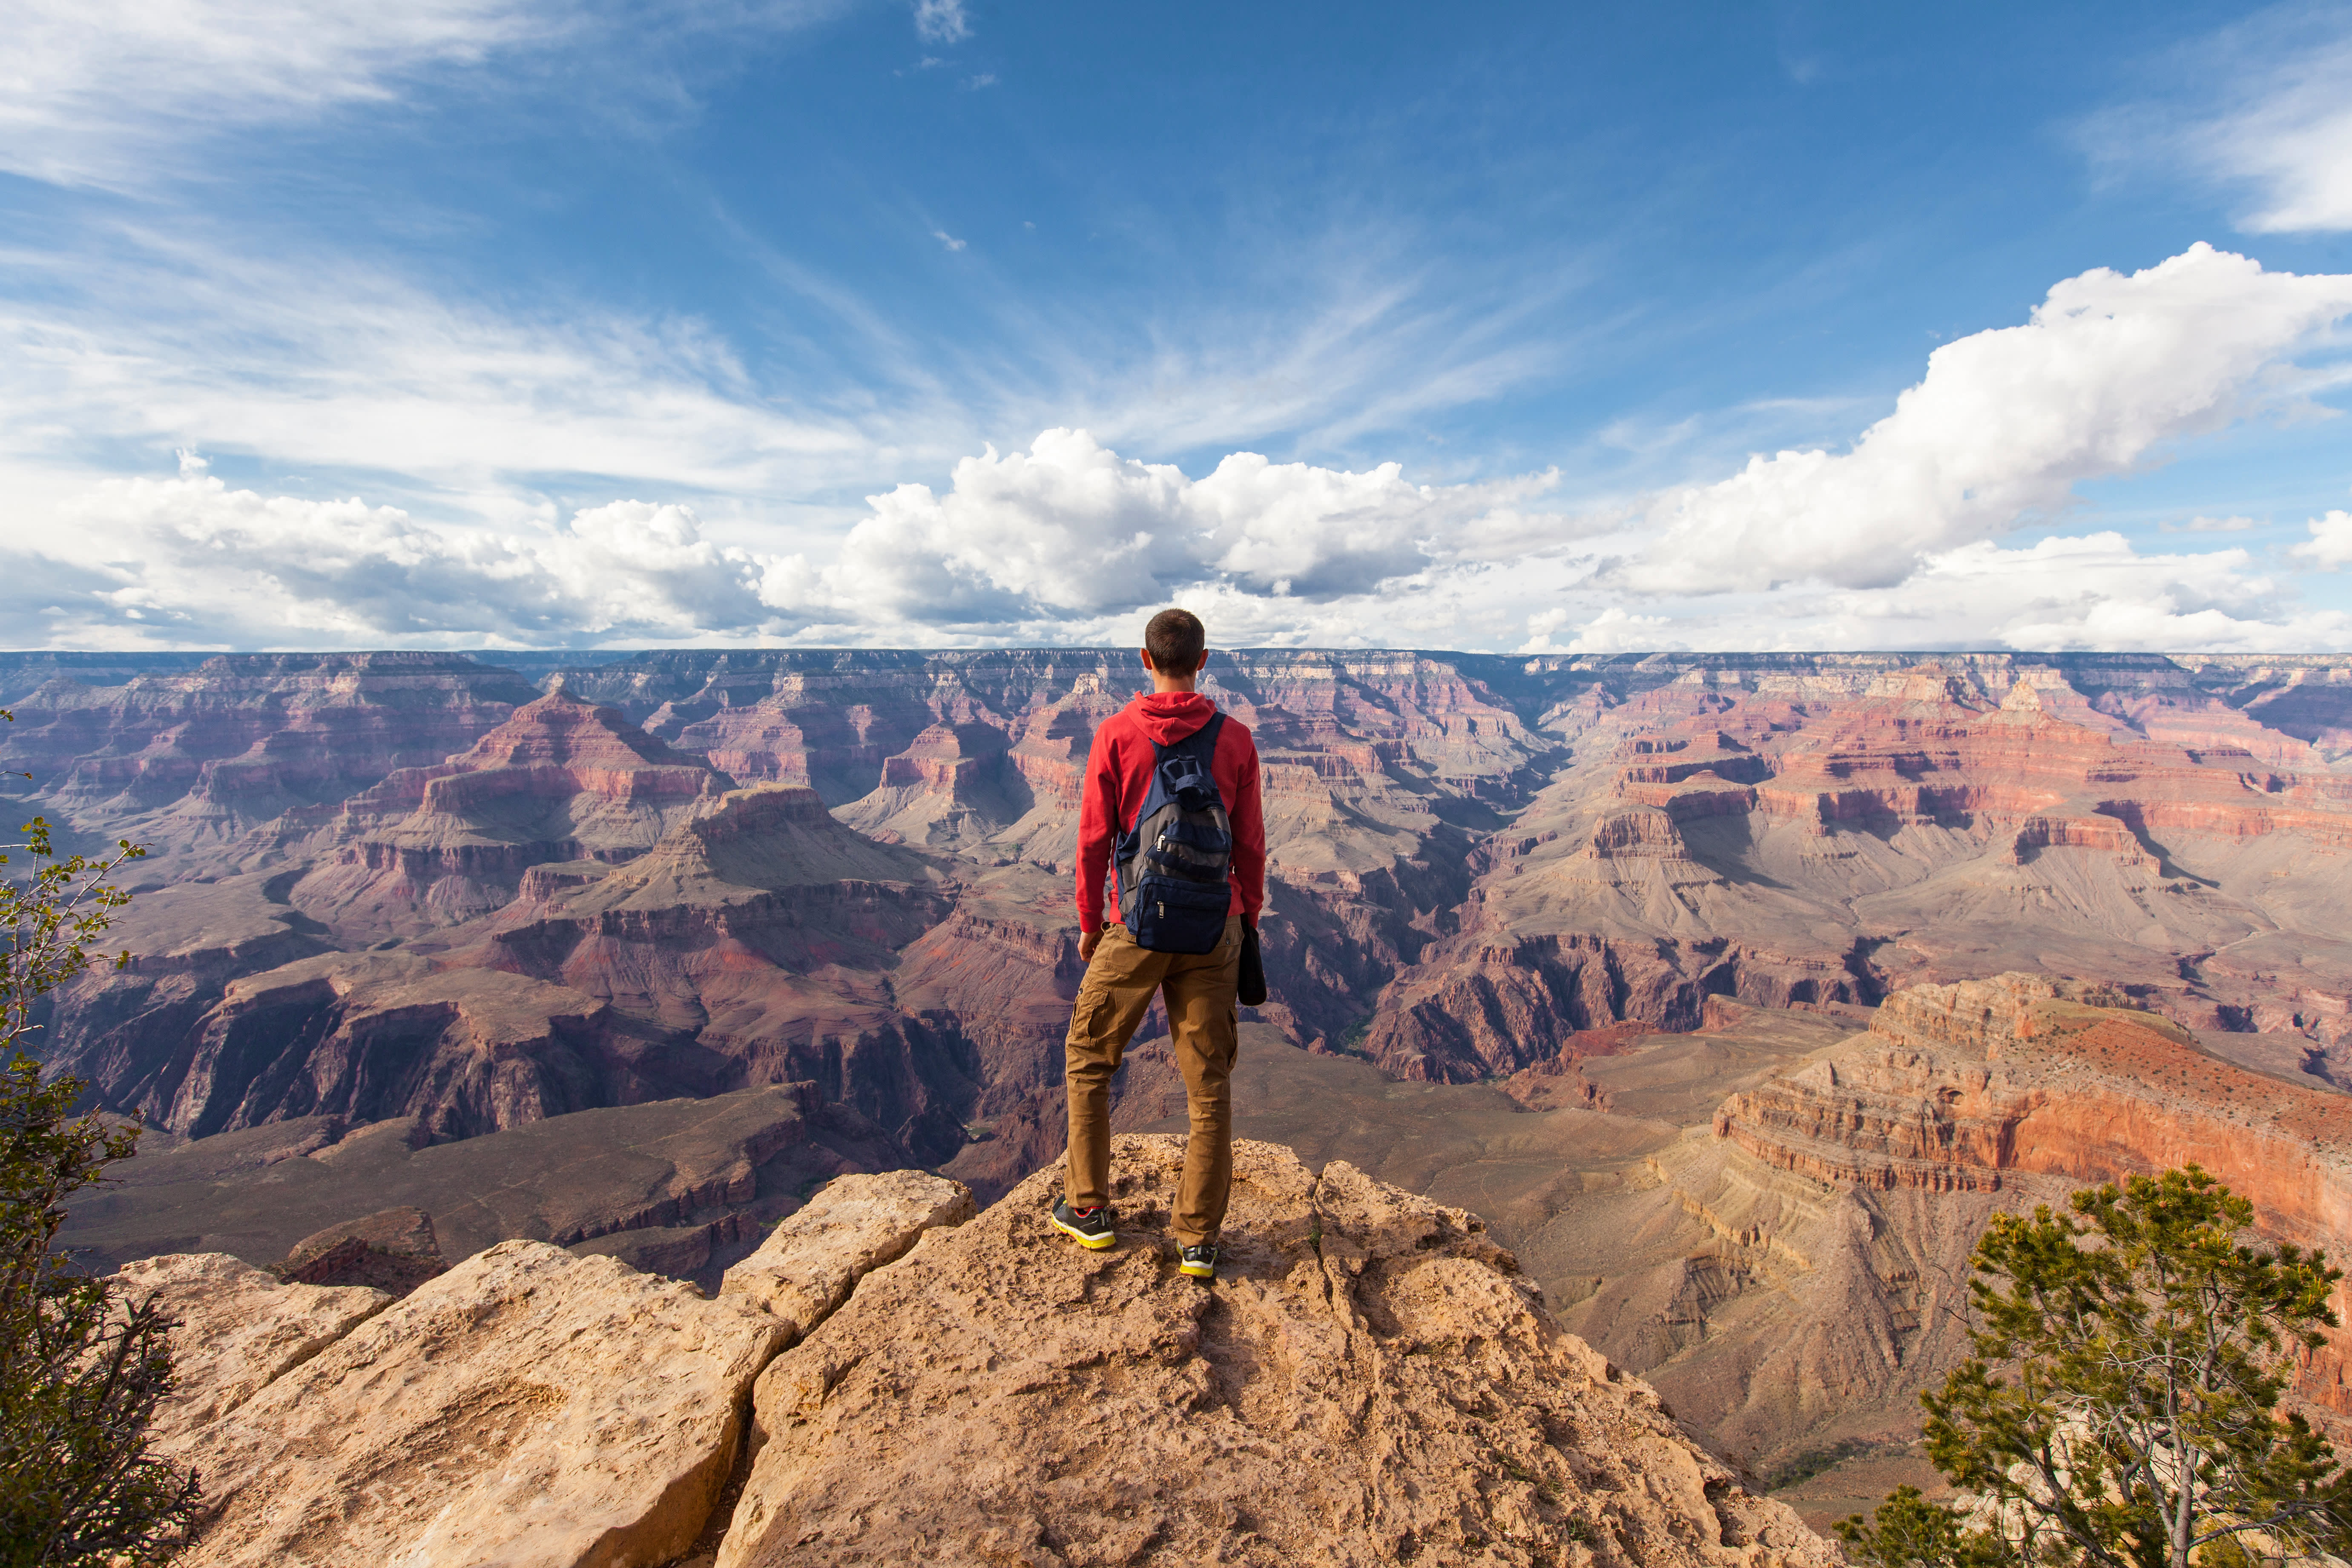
x=1071 y=526
x=2111 y=371
x=2330 y=545
x=1903 y=540
x=191 y=561
x=1056 y=544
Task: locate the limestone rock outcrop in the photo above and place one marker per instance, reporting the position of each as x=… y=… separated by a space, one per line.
x=1371 y=1380
x=527 y=1408
x=814 y=1256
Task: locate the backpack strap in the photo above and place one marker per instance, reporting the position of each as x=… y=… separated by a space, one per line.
x=1205 y=739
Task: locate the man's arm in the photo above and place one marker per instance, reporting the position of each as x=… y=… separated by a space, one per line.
x=1098 y=825
x=1248 y=818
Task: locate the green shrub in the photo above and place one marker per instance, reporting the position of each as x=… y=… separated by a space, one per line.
x=81 y=1366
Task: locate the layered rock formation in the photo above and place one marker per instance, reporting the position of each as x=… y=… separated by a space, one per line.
x=559 y=780
x=1471 y=857
x=758 y=940
x=1371 y=1380
x=366 y=1036
x=393 y=1250
x=189 y=761
x=1787 y=838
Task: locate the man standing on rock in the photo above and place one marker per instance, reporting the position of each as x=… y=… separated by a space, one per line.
x=1172 y=822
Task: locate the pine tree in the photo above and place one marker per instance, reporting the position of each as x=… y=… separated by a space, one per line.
x=2122 y=1408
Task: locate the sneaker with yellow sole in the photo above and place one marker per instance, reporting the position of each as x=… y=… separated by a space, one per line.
x=1091 y=1227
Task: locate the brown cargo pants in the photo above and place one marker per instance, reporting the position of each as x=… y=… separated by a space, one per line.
x=1112 y=1000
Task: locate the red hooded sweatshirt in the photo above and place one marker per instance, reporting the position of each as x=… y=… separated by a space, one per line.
x=1119 y=776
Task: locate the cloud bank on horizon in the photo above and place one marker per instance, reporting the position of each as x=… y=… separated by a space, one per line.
x=370 y=455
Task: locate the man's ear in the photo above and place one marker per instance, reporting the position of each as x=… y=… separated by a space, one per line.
x=1145 y=654
x=1201 y=662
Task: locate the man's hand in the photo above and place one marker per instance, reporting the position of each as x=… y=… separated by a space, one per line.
x=1089 y=940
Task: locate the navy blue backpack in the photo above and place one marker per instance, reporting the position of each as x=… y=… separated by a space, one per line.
x=1173 y=868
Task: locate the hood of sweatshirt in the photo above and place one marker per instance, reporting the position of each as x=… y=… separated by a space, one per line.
x=1169 y=717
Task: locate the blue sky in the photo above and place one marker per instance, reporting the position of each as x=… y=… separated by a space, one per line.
x=507 y=322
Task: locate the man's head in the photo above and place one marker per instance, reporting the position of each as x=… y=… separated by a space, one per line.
x=1175 y=642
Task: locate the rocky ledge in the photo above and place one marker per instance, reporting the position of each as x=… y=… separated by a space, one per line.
x=1371 y=1382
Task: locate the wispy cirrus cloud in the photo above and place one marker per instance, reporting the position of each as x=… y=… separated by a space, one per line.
x=166 y=344
x=145 y=338
x=129 y=93
x=2262 y=109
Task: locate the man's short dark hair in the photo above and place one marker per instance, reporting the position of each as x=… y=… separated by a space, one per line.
x=1174 y=639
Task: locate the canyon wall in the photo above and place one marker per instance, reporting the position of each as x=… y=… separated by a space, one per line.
x=1473 y=858
x=1794 y=1273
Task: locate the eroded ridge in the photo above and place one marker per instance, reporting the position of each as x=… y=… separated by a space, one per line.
x=2007 y=1091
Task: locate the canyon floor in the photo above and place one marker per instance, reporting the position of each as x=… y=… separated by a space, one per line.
x=1624 y=955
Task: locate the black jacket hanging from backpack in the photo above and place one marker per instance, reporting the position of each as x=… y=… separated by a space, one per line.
x=1172 y=870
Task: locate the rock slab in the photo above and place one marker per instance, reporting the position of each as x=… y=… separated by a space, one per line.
x=1370 y=1381
x=236 y=1329
x=814 y=1258
x=528 y=1408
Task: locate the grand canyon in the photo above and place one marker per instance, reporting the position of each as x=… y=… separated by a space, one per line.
x=1725 y=994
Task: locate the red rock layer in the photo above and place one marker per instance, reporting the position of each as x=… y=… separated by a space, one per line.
x=560 y=780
